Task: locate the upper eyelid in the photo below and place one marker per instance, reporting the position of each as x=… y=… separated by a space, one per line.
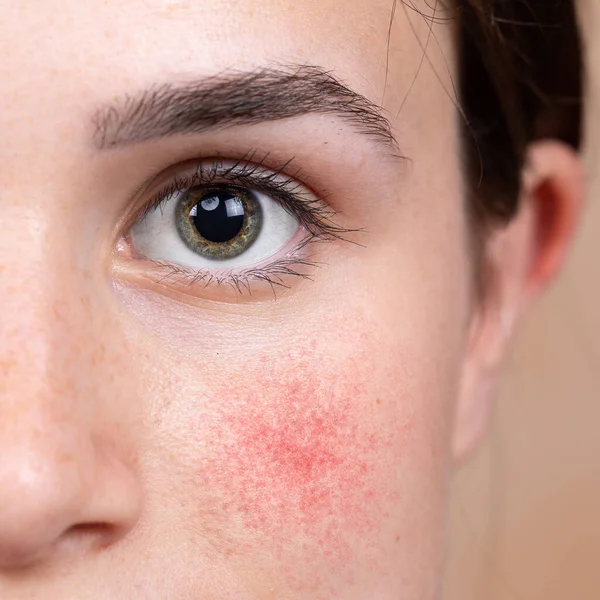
x=270 y=180
x=311 y=210
x=261 y=166
x=254 y=175
x=138 y=198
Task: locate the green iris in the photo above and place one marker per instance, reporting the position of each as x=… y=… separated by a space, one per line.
x=219 y=221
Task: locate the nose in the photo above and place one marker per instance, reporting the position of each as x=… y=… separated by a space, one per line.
x=68 y=482
x=56 y=501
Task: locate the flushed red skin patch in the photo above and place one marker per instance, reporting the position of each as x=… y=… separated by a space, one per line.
x=297 y=453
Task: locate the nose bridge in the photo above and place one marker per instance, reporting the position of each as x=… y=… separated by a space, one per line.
x=51 y=341
x=44 y=307
x=46 y=326
x=45 y=375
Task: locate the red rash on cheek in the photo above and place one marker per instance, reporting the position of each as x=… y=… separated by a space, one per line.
x=298 y=454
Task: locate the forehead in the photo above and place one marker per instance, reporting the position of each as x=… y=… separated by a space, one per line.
x=111 y=43
x=176 y=35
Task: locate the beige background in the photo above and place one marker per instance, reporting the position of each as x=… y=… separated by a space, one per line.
x=525 y=520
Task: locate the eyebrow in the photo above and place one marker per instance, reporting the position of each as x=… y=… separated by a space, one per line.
x=237 y=98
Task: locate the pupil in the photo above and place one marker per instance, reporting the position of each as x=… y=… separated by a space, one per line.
x=219 y=216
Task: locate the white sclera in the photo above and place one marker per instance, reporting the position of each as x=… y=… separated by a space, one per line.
x=156 y=237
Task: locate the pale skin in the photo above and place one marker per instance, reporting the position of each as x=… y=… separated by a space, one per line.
x=168 y=440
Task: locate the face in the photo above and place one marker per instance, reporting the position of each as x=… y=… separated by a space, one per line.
x=236 y=301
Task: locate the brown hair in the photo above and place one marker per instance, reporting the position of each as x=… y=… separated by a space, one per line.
x=520 y=80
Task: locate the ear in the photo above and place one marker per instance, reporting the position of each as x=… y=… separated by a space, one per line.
x=519 y=261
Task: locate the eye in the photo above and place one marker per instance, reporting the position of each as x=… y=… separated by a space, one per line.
x=215 y=222
x=214 y=226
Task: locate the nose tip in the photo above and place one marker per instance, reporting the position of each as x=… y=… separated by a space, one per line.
x=36 y=509
x=33 y=518
x=51 y=508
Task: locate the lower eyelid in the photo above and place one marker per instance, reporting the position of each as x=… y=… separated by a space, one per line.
x=270 y=278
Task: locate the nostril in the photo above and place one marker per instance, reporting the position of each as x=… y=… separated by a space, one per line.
x=85 y=537
x=78 y=540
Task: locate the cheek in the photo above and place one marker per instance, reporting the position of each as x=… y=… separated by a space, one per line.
x=303 y=448
x=307 y=458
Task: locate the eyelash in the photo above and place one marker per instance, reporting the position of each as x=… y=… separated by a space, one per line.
x=312 y=214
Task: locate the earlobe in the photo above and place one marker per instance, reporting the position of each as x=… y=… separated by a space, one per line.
x=521 y=259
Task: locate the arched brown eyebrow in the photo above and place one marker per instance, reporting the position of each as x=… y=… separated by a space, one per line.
x=237 y=99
